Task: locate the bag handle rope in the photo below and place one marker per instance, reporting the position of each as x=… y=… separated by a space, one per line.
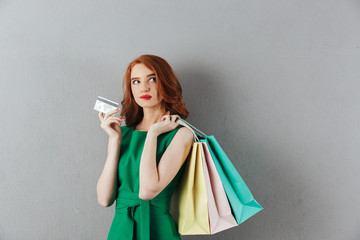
x=192 y=128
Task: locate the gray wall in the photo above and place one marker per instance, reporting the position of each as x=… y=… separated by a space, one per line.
x=277 y=83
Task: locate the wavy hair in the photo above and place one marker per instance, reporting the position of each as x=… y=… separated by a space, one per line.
x=167 y=84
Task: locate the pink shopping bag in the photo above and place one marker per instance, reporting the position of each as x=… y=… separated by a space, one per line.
x=220 y=215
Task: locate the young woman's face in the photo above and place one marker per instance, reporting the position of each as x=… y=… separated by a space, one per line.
x=143 y=86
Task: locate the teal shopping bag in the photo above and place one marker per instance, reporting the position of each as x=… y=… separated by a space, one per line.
x=242 y=202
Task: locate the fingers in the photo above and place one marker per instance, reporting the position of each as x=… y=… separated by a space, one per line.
x=166 y=116
x=116 y=118
x=111 y=120
x=101 y=116
x=174 y=117
x=111 y=113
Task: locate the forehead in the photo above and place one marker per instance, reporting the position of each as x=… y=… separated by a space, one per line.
x=140 y=70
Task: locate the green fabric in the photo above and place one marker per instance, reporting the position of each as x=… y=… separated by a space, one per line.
x=135 y=218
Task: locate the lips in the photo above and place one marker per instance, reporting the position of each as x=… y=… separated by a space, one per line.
x=146 y=97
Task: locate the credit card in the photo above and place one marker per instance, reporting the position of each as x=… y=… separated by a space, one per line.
x=105 y=105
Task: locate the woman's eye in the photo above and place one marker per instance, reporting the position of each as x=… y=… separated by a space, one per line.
x=135 y=81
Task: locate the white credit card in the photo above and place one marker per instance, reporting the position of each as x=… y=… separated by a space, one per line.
x=105 y=105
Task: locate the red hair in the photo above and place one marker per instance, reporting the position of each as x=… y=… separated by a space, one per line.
x=167 y=84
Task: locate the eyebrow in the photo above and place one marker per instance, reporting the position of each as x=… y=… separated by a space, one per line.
x=152 y=74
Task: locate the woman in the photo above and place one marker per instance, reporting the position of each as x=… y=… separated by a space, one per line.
x=145 y=158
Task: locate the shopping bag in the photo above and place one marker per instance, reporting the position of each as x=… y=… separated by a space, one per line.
x=189 y=203
x=220 y=215
x=241 y=200
x=219 y=212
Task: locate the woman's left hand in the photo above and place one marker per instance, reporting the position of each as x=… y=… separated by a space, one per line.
x=167 y=123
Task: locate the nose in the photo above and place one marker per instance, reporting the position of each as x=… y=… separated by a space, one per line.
x=145 y=87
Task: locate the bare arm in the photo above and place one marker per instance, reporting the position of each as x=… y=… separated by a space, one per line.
x=153 y=179
x=107 y=184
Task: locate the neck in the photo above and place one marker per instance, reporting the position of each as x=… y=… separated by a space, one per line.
x=151 y=116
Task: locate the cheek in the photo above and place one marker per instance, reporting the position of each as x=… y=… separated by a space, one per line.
x=159 y=98
x=133 y=89
x=157 y=94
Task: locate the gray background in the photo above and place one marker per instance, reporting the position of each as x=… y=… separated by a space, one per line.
x=277 y=83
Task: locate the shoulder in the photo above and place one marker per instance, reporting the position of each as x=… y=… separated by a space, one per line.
x=184 y=135
x=184 y=131
x=124 y=129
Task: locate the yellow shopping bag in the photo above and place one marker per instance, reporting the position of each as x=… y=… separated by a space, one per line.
x=189 y=203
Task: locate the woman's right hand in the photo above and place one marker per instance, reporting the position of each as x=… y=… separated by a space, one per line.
x=111 y=124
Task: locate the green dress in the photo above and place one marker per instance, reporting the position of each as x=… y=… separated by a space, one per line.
x=136 y=218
